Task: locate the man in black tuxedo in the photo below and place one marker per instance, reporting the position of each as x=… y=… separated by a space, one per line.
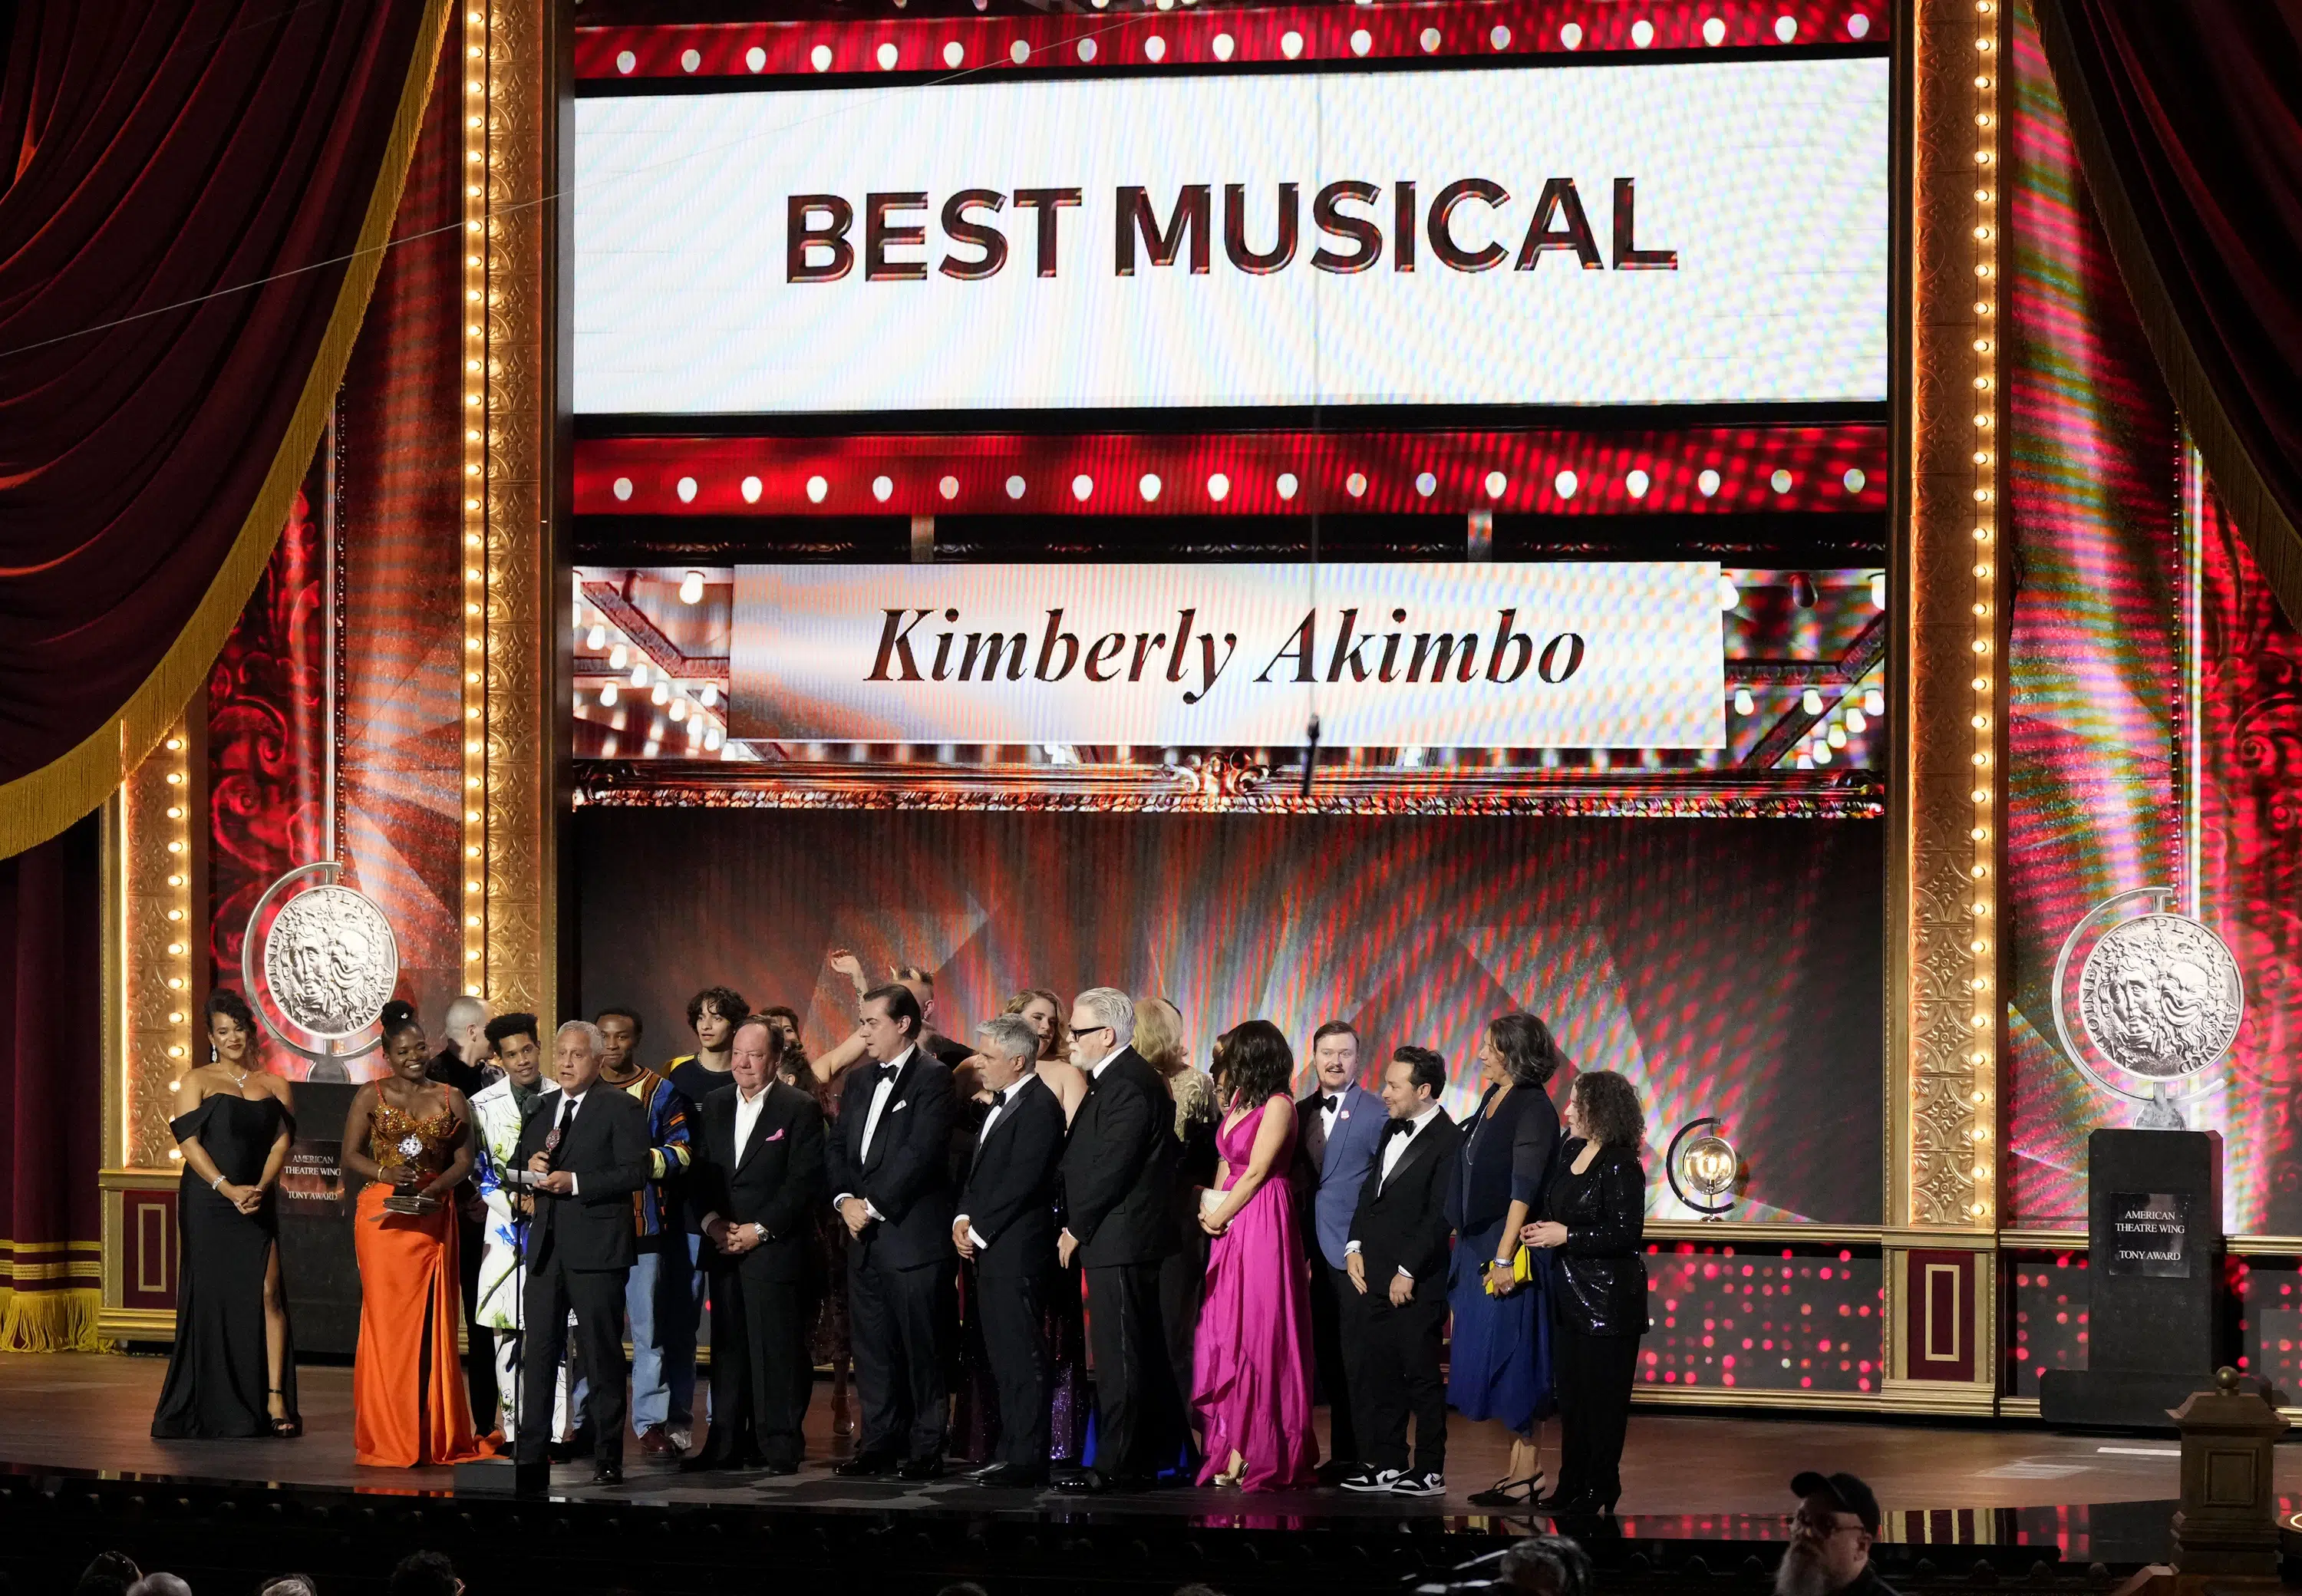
x=1119 y=1220
x=586 y=1151
x=1006 y=1229
x=890 y=1166
x=755 y=1183
x=1397 y=1260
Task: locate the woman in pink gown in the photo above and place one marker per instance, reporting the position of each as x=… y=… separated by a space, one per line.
x=1251 y=1371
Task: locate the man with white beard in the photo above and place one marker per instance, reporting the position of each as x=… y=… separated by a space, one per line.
x=1831 y=1535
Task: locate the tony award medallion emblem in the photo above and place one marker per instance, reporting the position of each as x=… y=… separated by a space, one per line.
x=2159 y=998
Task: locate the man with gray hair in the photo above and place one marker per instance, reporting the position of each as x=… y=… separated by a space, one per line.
x=1118 y=1176
x=461 y=1063
x=580 y=1156
x=1005 y=1230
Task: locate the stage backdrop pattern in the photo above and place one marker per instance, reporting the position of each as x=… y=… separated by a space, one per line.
x=265 y=752
x=2092 y=805
x=391 y=464
x=2250 y=864
x=1728 y=968
x=402 y=761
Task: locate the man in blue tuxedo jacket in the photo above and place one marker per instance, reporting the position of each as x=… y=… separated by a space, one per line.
x=1342 y=1131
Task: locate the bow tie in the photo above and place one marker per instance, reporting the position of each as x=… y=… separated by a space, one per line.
x=1329 y=1103
x=889 y=1071
x=1400 y=1127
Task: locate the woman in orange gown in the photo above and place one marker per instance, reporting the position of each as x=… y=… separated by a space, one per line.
x=411 y=1137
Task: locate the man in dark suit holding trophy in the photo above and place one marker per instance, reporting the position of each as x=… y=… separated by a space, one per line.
x=581 y=1156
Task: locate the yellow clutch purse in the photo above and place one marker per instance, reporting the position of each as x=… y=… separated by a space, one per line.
x=1522 y=1270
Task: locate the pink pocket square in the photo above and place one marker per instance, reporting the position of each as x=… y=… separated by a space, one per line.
x=778 y=1136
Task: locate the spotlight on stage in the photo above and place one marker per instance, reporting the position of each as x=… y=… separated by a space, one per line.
x=1708 y=1165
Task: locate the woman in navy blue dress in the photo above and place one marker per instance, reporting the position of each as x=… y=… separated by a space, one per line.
x=1498 y=1364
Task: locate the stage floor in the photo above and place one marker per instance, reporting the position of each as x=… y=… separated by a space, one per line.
x=1685 y=1475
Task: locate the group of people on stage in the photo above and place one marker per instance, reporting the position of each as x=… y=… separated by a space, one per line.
x=1059 y=1252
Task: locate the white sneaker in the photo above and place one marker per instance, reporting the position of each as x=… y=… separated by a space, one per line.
x=1369 y=1481
x=1429 y=1482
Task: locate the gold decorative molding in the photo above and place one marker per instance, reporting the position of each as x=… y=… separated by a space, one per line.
x=512 y=622
x=1733 y=1232
x=1944 y=1001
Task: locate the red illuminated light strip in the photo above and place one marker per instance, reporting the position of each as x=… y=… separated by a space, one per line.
x=1709 y=469
x=1341 y=33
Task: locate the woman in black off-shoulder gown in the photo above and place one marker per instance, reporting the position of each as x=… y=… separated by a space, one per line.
x=232 y=1372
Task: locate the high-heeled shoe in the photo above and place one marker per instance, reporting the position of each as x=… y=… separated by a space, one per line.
x=289 y=1425
x=1509 y=1493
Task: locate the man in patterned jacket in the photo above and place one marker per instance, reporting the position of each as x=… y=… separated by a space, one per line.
x=657 y=1302
x=496 y=1113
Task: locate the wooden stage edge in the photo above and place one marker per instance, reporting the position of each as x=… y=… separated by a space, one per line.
x=1686 y=1475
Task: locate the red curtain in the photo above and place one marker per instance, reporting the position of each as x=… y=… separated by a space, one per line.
x=50 y=1092
x=194 y=195
x=2188 y=119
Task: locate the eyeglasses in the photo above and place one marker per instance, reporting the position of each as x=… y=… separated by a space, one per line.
x=1820 y=1527
x=1088 y=1030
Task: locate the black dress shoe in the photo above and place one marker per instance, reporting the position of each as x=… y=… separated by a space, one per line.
x=930 y=1467
x=1089 y=1482
x=1014 y=1476
x=608 y=1474
x=867 y=1465
x=709 y=1464
x=779 y=1468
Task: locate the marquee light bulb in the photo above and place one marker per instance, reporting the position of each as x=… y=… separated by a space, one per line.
x=618 y=657
x=691 y=588
x=710 y=695
x=595 y=639
x=607 y=695
x=640 y=674
x=1744 y=703
x=1811 y=701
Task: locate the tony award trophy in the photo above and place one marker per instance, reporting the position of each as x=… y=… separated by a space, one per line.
x=2159 y=1001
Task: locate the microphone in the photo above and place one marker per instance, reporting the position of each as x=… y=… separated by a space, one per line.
x=1310 y=754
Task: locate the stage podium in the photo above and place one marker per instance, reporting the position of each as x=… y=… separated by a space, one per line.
x=2154 y=1225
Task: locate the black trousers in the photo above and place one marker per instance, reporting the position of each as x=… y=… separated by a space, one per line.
x=762 y=1376
x=1393 y=1354
x=1592 y=1377
x=1182 y=1291
x=897 y=1325
x=1331 y=1302
x=597 y=1298
x=479 y=1340
x=1012 y=1311
x=1139 y=1413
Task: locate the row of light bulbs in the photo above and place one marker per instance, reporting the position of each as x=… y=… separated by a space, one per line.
x=1983 y=1057
x=480 y=163
x=176 y=775
x=1565 y=483
x=705 y=728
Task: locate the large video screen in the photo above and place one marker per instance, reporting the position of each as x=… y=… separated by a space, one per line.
x=1565 y=654
x=1683 y=233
